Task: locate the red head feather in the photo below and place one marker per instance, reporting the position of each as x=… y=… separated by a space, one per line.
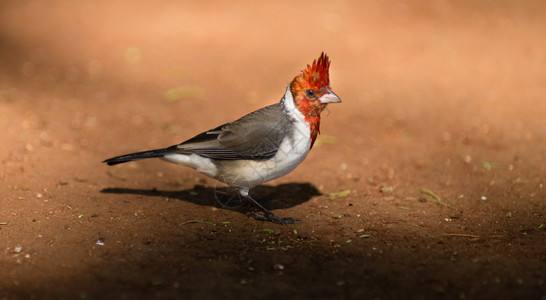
x=317 y=73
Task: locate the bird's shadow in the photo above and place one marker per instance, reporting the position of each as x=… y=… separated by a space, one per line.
x=272 y=197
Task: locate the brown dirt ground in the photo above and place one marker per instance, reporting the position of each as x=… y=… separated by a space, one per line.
x=438 y=95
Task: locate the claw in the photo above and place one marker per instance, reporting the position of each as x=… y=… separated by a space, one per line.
x=267 y=215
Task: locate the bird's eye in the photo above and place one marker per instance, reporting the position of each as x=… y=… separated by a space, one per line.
x=310 y=93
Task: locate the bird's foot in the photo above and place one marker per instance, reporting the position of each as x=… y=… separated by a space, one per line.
x=268 y=216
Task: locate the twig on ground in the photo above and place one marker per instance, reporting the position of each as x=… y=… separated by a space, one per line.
x=436 y=197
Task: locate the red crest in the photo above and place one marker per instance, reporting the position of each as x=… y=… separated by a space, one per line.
x=317 y=73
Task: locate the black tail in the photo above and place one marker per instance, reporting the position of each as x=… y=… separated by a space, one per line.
x=136 y=156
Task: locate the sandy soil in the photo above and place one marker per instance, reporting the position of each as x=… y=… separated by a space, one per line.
x=442 y=97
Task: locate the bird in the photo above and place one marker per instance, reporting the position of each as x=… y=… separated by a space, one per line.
x=261 y=146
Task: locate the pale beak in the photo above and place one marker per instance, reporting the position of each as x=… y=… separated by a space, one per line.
x=329 y=97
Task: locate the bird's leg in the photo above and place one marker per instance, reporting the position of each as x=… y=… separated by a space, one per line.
x=227 y=199
x=267 y=215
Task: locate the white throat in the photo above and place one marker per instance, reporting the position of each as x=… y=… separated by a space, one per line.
x=288 y=103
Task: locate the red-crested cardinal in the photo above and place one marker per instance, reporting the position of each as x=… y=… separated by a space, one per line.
x=261 y=146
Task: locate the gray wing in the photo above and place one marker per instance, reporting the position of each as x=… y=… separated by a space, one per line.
x=257 y=135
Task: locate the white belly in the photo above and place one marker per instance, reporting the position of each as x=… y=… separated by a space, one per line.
x=248 y=173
